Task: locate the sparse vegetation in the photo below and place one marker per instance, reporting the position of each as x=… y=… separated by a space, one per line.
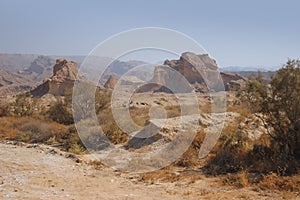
x=276 y=153
x=236 y=159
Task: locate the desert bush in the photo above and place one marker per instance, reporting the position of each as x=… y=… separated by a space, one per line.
x=110 y=128
x=41 y=130
x=35 y=131
x=231 y=152
x=23 y=105
x=60 y=113
x=191 y=157
x=278 y=105
x=74 y=145
x=239 y=180
x=274 y=182
x=29 y=129
x=4 y=109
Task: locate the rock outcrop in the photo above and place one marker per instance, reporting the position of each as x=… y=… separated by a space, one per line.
x=111 y=82
x=233 y=82
x=64 y=75
x=200 y=71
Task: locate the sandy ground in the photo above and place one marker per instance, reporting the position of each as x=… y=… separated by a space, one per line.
x=35 y=172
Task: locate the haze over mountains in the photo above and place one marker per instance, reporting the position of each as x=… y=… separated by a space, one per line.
x=22 y=72
x=249 y=68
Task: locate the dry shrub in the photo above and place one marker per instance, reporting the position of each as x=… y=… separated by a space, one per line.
x=240 y=108
x=262 y=159
x=275 y=182
x=110 y=128
x=29 y=129
x=39 y=130
x=4 y=109
x=239 y=180
x=171 y=174
x=72 y=142
x=191 y=157
x=231 y=152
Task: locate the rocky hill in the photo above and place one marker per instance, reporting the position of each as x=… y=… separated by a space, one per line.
x=22 y=72
x=13 y=82
x=62 y=80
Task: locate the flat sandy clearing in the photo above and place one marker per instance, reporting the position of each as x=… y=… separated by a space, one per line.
x=41 y=173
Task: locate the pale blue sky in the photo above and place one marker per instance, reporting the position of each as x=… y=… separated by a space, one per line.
x=244 y=33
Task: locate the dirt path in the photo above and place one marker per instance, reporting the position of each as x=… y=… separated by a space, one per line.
x=44 y=173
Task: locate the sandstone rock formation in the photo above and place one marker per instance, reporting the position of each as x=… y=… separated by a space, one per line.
x=200 y=71
x=64 y=75
x=111 y=82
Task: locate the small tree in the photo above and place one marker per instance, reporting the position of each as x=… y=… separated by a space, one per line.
x=277 y=104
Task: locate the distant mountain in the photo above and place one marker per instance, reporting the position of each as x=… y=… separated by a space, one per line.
x=22 y=72
x=16 y=77
x=16 y=61
x=250 y=69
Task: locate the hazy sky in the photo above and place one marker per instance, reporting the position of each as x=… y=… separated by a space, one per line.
x=244 y=33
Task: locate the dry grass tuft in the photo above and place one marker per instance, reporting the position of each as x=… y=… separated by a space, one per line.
x=281 y=183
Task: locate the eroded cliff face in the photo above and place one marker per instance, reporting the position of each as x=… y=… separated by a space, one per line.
x=200 y=71
x=63 y=78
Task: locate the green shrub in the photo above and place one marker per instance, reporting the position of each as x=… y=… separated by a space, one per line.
x=277 y=104
x=59 y=112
